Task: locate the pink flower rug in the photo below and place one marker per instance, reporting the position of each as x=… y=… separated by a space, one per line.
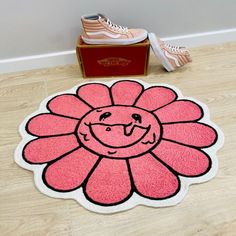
x=112 y=146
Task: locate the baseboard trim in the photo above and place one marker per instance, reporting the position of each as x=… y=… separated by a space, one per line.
x=205 y=38
x=69 y=57
x=38 y=61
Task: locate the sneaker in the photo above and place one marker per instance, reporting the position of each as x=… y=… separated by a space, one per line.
x=100 y=30
x=171 y=57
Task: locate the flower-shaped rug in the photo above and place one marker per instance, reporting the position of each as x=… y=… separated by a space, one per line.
x=112 y=146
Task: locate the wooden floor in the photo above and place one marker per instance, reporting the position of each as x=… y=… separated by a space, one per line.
x=208 y=209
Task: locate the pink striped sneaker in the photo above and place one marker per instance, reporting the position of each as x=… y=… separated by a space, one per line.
x=171 y=57
x=100 y=30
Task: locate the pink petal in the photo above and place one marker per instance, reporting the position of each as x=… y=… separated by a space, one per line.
x=126 y=92
x=194 y=134
x=185 y=160
x=70 y=171
x=96 y=95
x=151 y=178
x=49 y=124
x=110 y=182
x=68 y=105
x=46 y=149
x=155 y=97
x=179 y=111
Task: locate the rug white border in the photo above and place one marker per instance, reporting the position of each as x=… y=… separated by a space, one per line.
x=135 y=199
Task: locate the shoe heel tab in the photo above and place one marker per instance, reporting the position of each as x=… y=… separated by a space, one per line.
x=94 y=16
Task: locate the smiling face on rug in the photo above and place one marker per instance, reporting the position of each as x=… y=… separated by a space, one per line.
x=119 y=131
x=112 y=142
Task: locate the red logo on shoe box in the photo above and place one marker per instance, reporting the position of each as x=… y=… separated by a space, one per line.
x=114 y=61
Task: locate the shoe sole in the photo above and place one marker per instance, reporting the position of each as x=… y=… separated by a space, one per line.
x=159 y=53
x=116 y=41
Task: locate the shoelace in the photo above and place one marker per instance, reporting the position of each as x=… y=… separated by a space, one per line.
x=118 y=28
x=173 y=48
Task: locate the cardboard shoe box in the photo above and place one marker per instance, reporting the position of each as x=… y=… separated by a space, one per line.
x=113 y=60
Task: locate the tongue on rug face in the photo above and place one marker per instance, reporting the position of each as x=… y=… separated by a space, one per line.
x=118 y=135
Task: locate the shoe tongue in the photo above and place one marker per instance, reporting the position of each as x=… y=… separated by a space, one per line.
x=102 y=16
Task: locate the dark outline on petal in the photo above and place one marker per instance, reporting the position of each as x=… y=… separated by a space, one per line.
x=184 y=100
x=190 y=176
x=105 y=204
x=188 y=145
x=176 y=96
x=23 y=150
x=29 y=132
x=77 y=94
x=133 y=81
x=111 y=97
x=71 y=94
x=169 y=168
x=51 y=163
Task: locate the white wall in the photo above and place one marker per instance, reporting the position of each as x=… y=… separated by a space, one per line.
x=30 y=27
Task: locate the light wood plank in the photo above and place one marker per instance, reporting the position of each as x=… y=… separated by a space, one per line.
x=208 y=209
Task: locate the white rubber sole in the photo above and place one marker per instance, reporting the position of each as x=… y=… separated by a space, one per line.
x=159 y=53
x=116 y=41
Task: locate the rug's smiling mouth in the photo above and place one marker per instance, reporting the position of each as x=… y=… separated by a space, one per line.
x=118 y=135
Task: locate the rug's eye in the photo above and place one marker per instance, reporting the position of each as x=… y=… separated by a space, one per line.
x=137 y=117
x=104 y=116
